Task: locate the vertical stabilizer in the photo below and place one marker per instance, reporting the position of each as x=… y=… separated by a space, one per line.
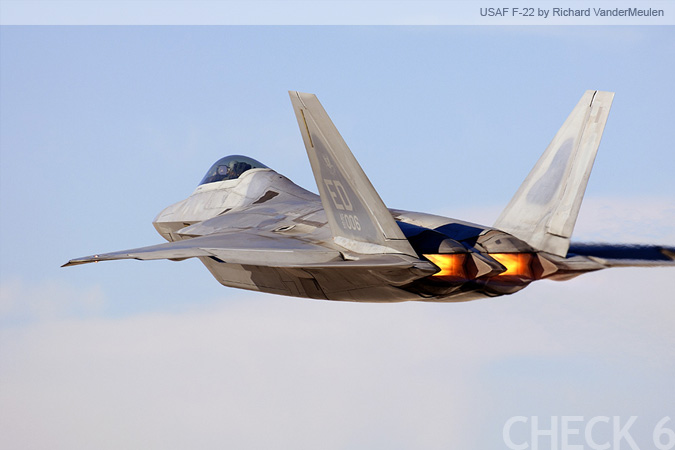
x=545 y=208
x=356 y=214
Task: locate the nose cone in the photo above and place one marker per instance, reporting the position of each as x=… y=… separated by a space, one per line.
x=165 y=214
x=167 y=223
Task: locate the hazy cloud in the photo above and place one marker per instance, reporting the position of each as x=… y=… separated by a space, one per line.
x=261 y=371
x=282 y=372
x=604 y=219
x=21 y=300
x=639 y=220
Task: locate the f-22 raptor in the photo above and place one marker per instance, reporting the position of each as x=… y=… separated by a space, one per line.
x=255 y=229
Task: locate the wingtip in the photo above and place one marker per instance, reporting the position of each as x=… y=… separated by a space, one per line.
x=75 y=262
x=85 y=260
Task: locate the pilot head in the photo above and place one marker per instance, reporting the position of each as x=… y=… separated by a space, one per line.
x=224 y=172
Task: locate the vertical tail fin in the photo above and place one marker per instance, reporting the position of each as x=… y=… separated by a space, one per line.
x=545 y=208
x=356 y=214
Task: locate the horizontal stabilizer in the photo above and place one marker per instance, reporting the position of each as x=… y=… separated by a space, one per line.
x=357 y=216
x=544 y=210
x=625 y=255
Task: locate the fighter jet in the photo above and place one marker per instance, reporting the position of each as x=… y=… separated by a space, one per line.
x=255 y=229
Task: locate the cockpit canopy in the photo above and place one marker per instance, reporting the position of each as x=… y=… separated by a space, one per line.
x=230 y=168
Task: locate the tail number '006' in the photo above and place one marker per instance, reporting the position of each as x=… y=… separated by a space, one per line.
x=350 y=222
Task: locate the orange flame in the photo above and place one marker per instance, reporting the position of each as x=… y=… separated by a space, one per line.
x=517 y=264
x=451 y=265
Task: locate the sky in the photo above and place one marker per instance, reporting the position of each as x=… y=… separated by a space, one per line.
x=103 y=127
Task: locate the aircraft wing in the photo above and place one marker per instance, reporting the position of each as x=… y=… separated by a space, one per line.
x=626 y=255
x=263 y=250
x=238 y=248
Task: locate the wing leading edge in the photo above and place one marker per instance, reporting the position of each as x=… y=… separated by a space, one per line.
x=239 y=248
x=261 y=250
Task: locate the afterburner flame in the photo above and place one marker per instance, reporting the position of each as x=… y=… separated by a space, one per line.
x=517 y=264
x=451 y=265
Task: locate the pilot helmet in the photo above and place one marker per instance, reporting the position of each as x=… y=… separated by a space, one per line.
x=223 y=170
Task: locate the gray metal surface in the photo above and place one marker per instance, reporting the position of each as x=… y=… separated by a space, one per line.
x=255 y=229
x=545 y=208
x=356 y=214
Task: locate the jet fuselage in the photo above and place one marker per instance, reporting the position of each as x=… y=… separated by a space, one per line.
x=476 y=261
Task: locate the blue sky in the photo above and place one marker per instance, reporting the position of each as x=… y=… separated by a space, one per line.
x=102 y=127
